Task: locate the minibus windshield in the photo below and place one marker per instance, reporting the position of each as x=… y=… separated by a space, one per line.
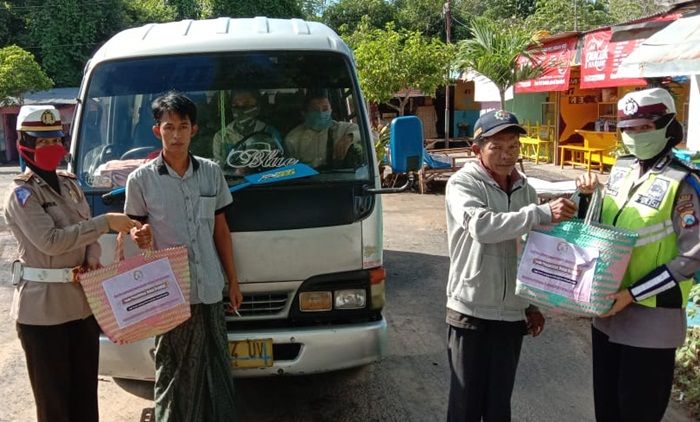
x=255 y=112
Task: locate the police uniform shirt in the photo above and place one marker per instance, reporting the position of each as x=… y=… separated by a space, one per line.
x=181 y=211
x=642 y=326
x=53 y=231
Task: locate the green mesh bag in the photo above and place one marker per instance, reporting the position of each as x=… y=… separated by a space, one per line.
x=574 y=265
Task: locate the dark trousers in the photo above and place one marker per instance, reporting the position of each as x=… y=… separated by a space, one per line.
x=62 y=362
x=630 y=383
x=483 y=361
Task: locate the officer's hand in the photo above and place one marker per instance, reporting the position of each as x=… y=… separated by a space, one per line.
x=587 y=182
x=121 y=222
x=142 y=236
x=622 y=299
x=562 y=209
x=92 y=263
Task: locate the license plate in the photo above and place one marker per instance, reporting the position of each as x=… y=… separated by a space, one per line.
x=251 y=353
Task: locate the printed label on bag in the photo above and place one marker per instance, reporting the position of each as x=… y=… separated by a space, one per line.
x=557 y=266
x=142 y=292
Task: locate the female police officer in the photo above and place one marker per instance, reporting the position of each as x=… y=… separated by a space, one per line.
x=655 y=195
x=50 y=218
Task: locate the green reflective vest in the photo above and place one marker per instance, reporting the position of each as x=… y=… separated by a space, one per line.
x=648 y=210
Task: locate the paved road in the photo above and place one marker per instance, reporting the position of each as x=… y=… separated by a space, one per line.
x=410 y=384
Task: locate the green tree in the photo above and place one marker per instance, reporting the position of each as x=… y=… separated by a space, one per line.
x=557 y=16
x=19 y=73
x=493 y=51
x=314 y=9
x=509 y=9
x=391 y=61
x=626 y=10
x=345 y=15
x=66 y=33
x=12 y=26
x=251 y=8
x=141 y=12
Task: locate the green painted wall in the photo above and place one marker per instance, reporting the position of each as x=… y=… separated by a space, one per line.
x=527 y=106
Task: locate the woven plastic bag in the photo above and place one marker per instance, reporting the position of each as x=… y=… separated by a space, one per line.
x=574 y=265
x=140 y=296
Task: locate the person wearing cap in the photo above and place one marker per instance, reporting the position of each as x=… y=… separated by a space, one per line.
x=656 y=195
x=322 y=142
x=234 y=145
x=48 y=215
x=489 y=206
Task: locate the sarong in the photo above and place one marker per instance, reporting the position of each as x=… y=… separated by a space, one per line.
x=193 y=370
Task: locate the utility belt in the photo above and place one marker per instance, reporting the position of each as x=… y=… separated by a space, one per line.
x=42 y=275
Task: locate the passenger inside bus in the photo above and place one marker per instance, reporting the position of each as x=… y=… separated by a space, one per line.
x=322 y=142
x=235 y=146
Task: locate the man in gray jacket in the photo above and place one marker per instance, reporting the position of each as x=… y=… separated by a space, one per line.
x=489 y=207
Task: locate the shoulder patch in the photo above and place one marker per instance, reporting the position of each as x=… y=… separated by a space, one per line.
x=23 y=194
x=24 y=177
x=66 y=174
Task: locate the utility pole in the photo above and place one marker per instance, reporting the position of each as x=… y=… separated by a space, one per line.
x=448 y=29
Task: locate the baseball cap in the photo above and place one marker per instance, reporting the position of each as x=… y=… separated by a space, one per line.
x=642 y=107
x=40 y=121
x=493 y=122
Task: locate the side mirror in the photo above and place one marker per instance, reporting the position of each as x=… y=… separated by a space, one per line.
x=406 y=144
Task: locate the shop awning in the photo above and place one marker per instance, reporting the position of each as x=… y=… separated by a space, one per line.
x=605 y=49
x=556 y=58
x=672 y=51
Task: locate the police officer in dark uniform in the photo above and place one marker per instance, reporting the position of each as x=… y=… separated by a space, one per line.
x=47 y=213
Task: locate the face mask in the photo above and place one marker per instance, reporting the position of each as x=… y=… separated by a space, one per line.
x=245 y=114
x=46 y=158
x=645 y=145
x=318 y=120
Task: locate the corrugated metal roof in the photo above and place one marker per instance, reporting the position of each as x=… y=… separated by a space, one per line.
x=52 y=96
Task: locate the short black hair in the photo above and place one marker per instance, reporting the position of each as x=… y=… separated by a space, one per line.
x=314 y=94
x=174 y=102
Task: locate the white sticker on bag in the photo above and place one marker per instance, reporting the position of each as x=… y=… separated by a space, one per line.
x=557 y=266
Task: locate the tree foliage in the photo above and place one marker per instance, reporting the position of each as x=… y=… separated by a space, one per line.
x=345 y=15
x=391 y=61
x=141 y=12
x=557 y=16
x=626 y=10
x=493 y=51
x=19 y=73
x=66 y=33
x=252 y=8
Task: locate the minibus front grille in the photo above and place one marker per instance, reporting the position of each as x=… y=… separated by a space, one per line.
x=263 y=304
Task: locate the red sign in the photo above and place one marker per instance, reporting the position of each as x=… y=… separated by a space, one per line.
x=600 y=59
x=556 y=59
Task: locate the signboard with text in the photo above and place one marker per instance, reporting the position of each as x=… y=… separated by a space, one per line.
x=601 y=57
x=556 y=59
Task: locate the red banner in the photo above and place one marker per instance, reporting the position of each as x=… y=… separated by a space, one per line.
x=601 y=58
x=556 y=59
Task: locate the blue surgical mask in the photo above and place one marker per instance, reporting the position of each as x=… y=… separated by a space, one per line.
x=318 y=120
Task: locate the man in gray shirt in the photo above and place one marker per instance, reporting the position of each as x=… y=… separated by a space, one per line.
x=181 y=199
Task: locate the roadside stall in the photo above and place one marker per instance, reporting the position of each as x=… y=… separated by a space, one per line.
x=556 y=55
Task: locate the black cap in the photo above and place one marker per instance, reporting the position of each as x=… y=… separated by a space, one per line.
x=493 y=122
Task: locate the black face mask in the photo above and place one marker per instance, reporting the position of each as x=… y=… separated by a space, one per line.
x=244 y=117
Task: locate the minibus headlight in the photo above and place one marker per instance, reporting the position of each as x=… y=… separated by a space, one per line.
x=350 y=299
x=315 y=301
